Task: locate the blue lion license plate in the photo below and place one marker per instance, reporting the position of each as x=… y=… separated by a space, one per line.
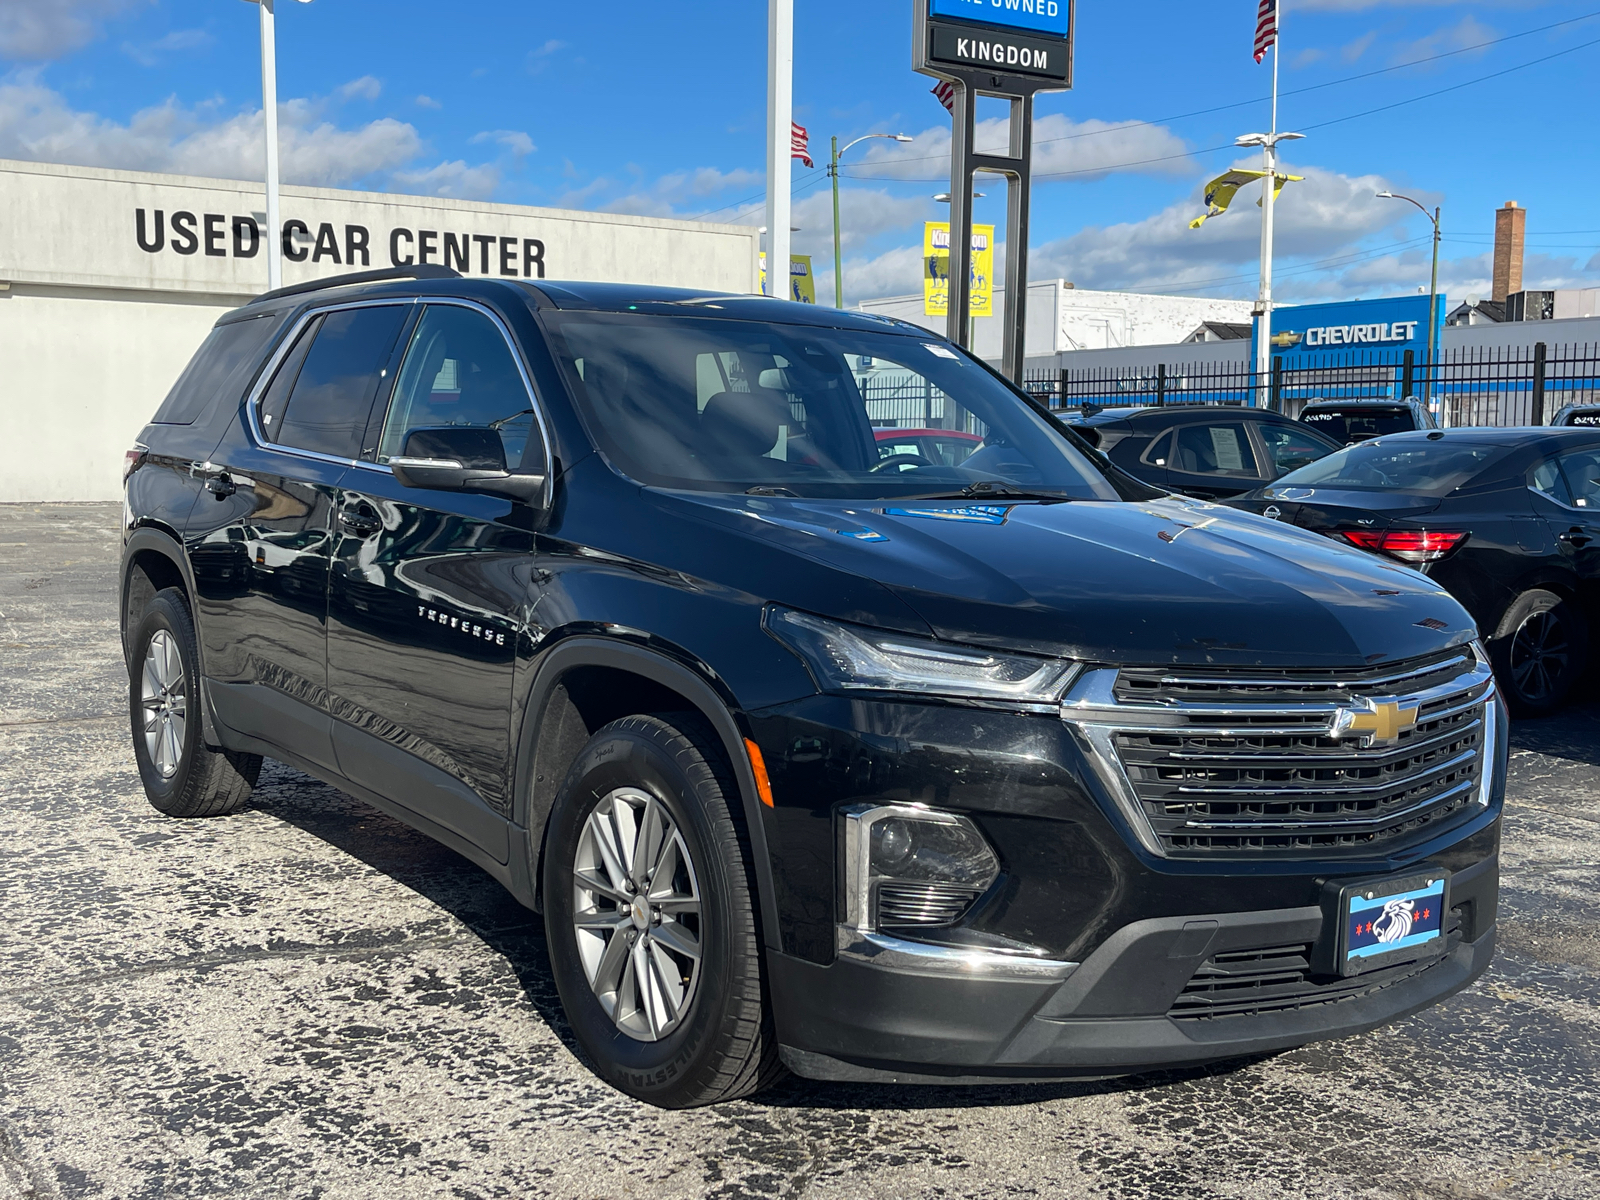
x=1392 y=920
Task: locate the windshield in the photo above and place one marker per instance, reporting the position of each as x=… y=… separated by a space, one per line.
x=1416 y=464
x=1358 y=424
x=747 y=406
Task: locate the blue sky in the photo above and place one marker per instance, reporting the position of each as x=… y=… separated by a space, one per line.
x=658 y=108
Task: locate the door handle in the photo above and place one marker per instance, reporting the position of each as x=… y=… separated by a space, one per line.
x=221 y=485
x=1575 y=537
x=361 y=521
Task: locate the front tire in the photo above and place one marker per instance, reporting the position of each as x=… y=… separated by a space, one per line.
x=650 y=916
x=1540 y=650
x=182 y=776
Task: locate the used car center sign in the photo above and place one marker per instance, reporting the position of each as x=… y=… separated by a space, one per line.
x=1025 y=37
x=91 y=227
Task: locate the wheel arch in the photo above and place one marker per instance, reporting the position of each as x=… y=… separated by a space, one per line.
x=584 y=683
x=153 y=559
x=1546 y=578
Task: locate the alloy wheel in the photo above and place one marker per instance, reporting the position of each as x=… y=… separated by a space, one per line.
x=1540 y=655
x=163 y=695
x=636 y=913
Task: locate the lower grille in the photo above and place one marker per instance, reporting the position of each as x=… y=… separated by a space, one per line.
x=1240 y=983
x=922 y=903
x=1331 y=763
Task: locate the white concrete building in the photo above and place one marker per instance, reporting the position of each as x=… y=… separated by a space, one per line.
x=1062 y=317
x=110 y=279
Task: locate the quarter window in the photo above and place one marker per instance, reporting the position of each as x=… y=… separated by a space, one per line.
x=322 y=395
x=459 y=371
x=1291 y=449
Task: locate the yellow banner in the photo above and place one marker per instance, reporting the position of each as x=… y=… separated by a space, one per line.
x=802 y=285
x=936 y=270
x=1221 y=190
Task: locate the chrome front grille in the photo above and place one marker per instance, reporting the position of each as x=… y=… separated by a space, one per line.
x=1253 y=764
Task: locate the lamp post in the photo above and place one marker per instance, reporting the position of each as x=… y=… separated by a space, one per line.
x=269 y=114
x=833 y=170
x=1433 y=285
x=1269 y=155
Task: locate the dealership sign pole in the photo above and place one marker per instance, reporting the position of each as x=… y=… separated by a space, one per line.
x=1011 y=49
x=780 y=132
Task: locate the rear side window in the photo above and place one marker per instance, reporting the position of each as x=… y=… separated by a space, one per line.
x=218 y=367
x=327 y=383
x=1582 y=469
x=1222 y=449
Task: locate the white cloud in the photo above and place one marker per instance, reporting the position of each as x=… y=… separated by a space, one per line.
x=667 y=195
x=1061 y=146
x=39 y=30
x=427 y=102
x=454 y=179
x=514 y=140
x=1364 y=5
x=151 y=54
x=365 y=88
x=1469 y=31
x=1327 y=215
x=36 y=123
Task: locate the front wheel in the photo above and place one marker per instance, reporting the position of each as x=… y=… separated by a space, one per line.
x=650 y=916
x=1540 y=650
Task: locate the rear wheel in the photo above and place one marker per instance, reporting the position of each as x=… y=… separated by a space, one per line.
x=182 y=776
x=1540 y=650
x=650 y=916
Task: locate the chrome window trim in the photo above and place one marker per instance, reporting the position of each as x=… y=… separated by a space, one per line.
x=1150 y=449
x=264 y=380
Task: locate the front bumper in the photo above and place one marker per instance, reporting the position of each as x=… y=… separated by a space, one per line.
x=1118 y=1012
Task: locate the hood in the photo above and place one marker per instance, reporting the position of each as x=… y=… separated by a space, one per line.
x=1166 y=581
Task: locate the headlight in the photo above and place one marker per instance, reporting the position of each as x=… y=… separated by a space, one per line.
x=856 y=658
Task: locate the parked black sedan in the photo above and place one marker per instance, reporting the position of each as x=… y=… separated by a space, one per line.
x=1210 y=451
x=1350 y=421
x=1507 y=519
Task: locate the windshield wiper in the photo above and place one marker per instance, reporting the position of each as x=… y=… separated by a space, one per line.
x=507 y=420
x=995 y=489
x=762 y=489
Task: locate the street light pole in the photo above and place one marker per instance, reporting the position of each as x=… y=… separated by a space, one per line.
x=269 y=115
x=1269 y=180
x=833 y=170
x=1433 y=283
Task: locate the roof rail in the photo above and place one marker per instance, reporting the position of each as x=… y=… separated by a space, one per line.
x=417 y=271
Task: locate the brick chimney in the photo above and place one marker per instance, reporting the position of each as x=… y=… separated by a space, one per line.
x=1508 y=228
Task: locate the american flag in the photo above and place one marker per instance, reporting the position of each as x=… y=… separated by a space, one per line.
x=799 y=143
x=945 y=91
x=1266 y=27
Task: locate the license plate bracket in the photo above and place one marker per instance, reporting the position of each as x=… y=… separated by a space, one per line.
x=1396 y=919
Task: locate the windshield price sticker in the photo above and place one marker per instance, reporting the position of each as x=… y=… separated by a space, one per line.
x=941 y=351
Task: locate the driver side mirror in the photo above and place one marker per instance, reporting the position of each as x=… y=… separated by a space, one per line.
x=462 y=458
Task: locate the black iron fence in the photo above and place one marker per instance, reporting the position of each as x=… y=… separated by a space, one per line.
x=1495 y=385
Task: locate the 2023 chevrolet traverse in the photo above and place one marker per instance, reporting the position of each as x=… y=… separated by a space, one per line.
x=868 y=767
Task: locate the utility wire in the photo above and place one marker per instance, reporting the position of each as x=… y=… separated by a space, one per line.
x=1120 y=126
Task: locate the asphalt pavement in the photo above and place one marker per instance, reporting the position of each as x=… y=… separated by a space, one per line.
x=308 y=999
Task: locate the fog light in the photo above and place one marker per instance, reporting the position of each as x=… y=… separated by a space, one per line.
x=908 y=866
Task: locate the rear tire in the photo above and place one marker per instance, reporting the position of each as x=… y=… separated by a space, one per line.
x=182 y=776
x=1540 y=650
x=651 y=920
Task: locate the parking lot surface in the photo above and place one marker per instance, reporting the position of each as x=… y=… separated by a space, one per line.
x=308 y=999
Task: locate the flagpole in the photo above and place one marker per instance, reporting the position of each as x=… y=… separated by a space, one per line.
x=1269 y=155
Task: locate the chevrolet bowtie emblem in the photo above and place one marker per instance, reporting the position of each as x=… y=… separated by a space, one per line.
x=1382 y=720
x=1286 y=339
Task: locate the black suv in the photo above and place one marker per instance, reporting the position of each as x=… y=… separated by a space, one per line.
x=1011 y=769
x=1209 y=451
x=1351 y=421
